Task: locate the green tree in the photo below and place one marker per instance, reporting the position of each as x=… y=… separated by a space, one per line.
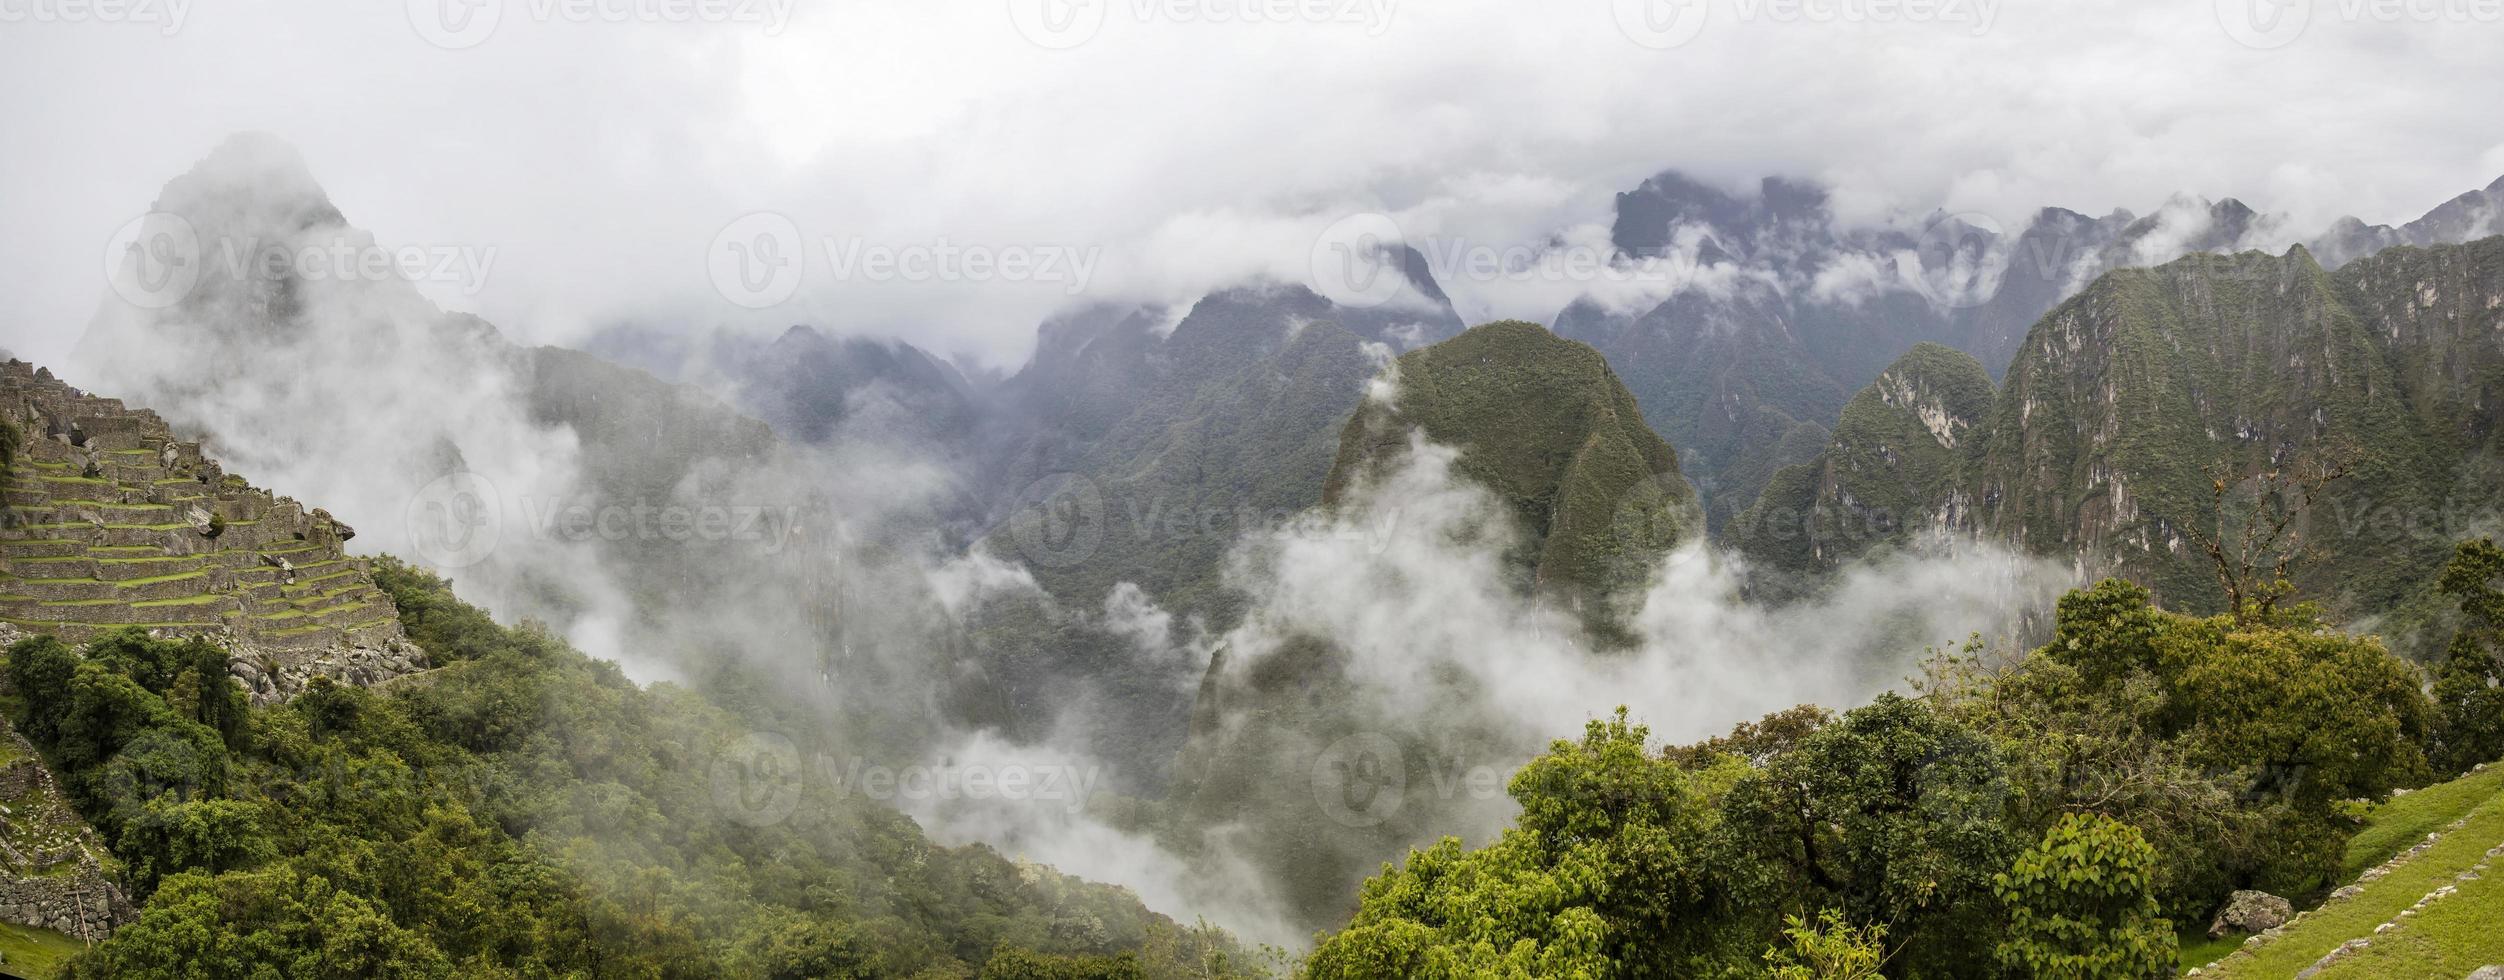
x=1832 y=949
x=2081 y=906
x=1892 y=815
x=39 y=670
x=2469 y=687
x=1607 y=873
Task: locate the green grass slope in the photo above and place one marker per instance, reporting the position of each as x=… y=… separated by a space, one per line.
x=34 y=954
x=2429 y=902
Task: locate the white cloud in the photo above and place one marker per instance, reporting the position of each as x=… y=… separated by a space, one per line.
x=600 y=158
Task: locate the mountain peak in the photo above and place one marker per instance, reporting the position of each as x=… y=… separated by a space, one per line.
x=1543 y=423
x=250 y=172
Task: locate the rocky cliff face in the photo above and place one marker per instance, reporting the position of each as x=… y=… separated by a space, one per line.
x=1779 y=311
x=1891 y=477
x=2130 y=401
x=112 y=522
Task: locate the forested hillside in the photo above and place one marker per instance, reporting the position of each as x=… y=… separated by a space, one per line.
x=521 y=810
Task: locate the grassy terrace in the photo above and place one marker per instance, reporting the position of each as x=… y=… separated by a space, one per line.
x=113 y=504
x=124 y=583
x=2446 y=938
x=58 y=625
x=65 y=525
x=2399 y=823
x=191 y=600
x=35 y=954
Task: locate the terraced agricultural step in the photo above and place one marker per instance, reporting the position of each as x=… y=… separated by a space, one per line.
x=172 y=586
x=98 y=536
x=130 y=569
x=127 y=551
x=205 y=610
x=41 y=548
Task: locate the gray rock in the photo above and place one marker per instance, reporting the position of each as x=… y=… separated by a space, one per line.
x=2250 y=912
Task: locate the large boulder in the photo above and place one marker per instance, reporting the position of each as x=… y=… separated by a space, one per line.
x=2250 y=912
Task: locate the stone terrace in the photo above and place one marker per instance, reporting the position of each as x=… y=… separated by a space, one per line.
x=110 y=521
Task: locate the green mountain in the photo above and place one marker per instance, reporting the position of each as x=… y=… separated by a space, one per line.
x=1543 y=423
x=1222 y=428
x=1123 y=456
x=1891 y=470
x=2130 y=402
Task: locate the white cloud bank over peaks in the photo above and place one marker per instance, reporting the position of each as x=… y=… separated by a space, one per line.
x=1177 y=150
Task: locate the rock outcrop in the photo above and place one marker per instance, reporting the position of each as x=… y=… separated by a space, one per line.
x=2250 y=912
x=110 y=522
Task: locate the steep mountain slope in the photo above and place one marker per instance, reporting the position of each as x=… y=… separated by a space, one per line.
x=2473 y=215
x=1229 y=426
x=1775 y=311
x=809 y=387
x=2107 y=440
x=1545 y=424
x=1146 y=471
x=597 y=498
x=1892 y=470
x=1290 y=762
x=2128 y=397
x=1726 y=380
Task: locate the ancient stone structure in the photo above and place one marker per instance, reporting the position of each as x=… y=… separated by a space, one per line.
x=110 y=521
x=54 y=872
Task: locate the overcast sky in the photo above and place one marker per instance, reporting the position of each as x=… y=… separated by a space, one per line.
x=586 y=157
